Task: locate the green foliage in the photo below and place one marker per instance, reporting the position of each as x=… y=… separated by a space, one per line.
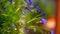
x=13 y=12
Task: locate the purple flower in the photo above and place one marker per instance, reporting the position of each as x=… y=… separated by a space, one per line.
x=37 y=9
x=29 y=1
x=27 y=8
x=52 y=31
x=43 y=13
x=4 y=7
x=23 y=13
x=28 y=30
x=14 y=25
x=10 y=1
x=43 y=21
